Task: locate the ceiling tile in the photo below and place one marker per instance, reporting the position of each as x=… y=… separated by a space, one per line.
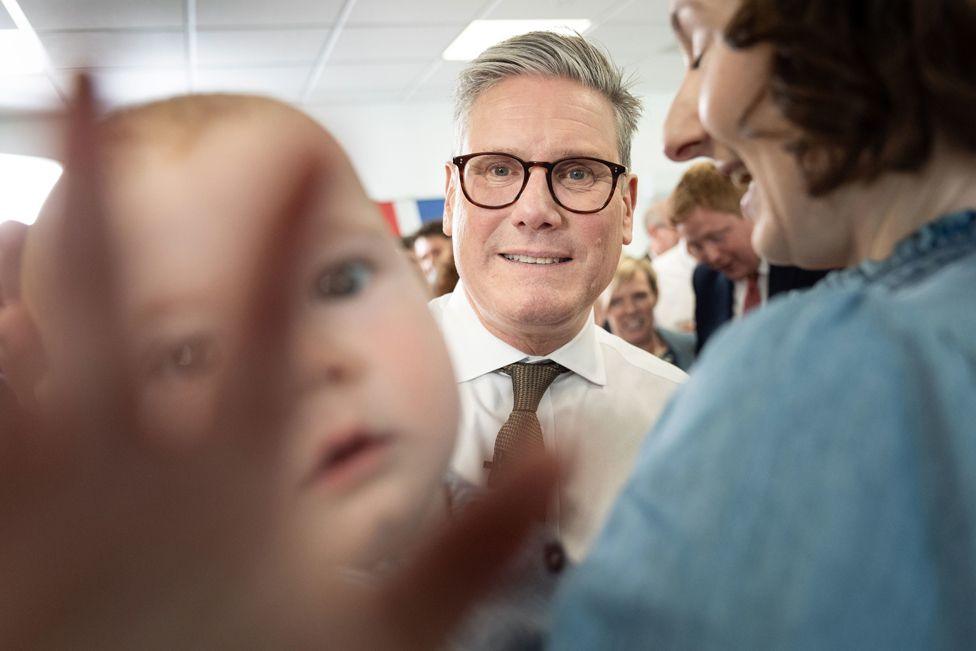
x=643 y=12
x=282 y=82
x=216 y=13
x=259 y=47
x=97 y=14
x=114 y=49
x=430 y=12
x=6 y=22
x=630 y=43
x=393 y=43
x=519 y=9
x=28 y=93
x=442 y=81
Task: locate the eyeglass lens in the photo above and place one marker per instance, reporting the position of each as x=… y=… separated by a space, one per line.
x=495 y=180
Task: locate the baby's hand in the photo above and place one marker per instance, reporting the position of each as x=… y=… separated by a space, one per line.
x=111 y=539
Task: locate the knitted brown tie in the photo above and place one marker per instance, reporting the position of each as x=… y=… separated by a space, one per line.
x=522 y=434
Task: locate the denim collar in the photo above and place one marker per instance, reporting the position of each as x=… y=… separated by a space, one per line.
x=931 y=247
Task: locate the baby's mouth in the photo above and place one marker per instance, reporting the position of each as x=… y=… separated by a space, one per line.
x=350 y=457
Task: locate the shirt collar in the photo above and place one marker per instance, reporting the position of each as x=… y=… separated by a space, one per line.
x=761 y=272
x=475 y=351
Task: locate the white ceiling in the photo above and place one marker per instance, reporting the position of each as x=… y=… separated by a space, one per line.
x=302 y=51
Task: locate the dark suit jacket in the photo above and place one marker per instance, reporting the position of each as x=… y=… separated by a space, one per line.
x=714 y=294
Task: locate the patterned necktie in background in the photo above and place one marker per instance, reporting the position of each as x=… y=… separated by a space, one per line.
x=522 y=434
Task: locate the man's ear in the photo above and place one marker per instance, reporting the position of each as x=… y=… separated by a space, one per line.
x=20 y=344
x=450 y=194
x=629 y=192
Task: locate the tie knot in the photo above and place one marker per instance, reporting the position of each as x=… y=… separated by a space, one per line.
x=530 y=381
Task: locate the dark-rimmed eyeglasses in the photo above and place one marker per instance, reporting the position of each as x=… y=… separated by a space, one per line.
x=579 y=184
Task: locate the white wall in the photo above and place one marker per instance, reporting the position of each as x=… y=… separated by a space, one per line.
x=399 y=150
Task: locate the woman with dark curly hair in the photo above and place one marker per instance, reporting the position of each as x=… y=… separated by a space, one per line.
x=814 y=484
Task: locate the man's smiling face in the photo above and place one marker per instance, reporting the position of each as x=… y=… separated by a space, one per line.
x=535 y=265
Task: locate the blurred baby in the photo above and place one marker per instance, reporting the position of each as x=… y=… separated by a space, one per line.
x=191 y=190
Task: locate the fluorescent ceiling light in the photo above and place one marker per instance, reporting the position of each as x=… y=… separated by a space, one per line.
x=482 y=34
x=21 y=52
x=25 y=182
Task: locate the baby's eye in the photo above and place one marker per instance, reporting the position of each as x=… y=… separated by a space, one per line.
x=344 y=279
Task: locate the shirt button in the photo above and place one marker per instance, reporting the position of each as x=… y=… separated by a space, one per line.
x=555 y=557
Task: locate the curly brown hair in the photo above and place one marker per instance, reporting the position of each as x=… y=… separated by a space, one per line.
x=870 y=83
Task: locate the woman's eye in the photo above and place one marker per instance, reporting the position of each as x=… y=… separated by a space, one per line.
x=696 y=61
x=344 y=279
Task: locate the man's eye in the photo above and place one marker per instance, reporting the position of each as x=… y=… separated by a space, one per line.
x=344 y=279
x=500 y=170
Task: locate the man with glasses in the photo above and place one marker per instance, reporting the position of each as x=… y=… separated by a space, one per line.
x=539 y=204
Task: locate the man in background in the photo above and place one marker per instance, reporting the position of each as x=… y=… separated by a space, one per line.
x=732 y=279
x=673 y=266
x=432 y=250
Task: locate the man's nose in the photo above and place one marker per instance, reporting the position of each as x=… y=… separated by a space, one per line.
x=536 y=208
x=684 y=136
x=709 y=253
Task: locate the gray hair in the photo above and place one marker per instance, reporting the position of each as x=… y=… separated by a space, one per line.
x=551 y=55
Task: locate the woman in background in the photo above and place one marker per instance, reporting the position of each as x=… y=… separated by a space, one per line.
x=814 y=484
x=630 y=300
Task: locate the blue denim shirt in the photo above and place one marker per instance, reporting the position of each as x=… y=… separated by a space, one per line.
x=813 y=485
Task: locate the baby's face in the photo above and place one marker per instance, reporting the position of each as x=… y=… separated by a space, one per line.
x=375 y=405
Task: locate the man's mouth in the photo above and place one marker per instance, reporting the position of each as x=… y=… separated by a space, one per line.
x=529 y=259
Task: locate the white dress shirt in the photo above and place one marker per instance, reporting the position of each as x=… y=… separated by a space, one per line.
x=599 y=413
x=740 y=287
x=675 y=309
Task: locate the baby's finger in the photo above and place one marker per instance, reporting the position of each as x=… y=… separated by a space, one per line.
x=93 y=386
x=12 y=236
x=256 y=392
x=425 y=602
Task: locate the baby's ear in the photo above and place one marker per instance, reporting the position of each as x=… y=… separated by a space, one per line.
x=20 y=346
